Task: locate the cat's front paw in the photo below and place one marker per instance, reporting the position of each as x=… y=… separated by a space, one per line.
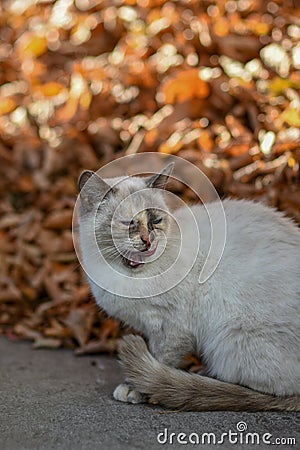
x=126 y=393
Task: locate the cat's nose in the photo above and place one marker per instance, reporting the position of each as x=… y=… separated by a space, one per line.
x=146 y=240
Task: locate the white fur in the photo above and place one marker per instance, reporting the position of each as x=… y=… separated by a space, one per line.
x=244 y=320
x=125 y=393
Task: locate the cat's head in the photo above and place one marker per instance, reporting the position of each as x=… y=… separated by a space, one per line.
x=128 y=215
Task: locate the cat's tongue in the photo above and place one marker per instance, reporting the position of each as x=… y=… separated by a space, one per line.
x=150 y=252
x=142 y=255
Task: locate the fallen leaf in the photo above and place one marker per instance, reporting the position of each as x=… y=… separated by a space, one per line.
x=50 y=343
x=291 y=116
x=59 y=220
x=49 y=89
x=101 y=346
x=80 y=321
x=279 y=85
x=185 y=85
x=32 y=45
x=7 y=105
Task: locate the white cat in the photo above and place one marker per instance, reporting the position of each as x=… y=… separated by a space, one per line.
x=244 y=321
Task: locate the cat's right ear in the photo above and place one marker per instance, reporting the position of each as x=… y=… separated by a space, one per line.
x=159 y=180
x=92 y=189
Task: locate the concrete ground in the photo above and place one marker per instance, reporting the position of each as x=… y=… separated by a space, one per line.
x=54 y=400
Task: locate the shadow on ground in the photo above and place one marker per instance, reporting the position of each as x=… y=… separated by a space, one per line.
x=54 y=400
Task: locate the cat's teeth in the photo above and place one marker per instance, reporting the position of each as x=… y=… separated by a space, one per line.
x=134 y=264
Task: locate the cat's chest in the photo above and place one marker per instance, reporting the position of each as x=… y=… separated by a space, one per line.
x=138 y=313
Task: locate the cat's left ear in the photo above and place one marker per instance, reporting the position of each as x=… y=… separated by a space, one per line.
x=84 y=177
x=159 y=180
x=95 y=190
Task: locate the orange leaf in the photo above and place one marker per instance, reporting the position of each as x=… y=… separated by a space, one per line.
x=49 y=89
x=33 y=45
x=185 y=85
x=167 y=147
x=85 y=100
x=68 y=111
x=151 y=136
x=7 y=105
x=205 y=141
x=109 y=328
x=221 y=27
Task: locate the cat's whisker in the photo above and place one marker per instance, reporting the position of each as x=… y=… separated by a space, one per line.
x=243 y=320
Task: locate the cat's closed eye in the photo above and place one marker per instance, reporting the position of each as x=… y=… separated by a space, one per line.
x=157 y=221
x=129 y=223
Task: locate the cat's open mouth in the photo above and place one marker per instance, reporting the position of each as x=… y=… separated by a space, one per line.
x=137 y=258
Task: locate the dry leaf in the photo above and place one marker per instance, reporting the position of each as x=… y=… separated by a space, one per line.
x=185 y=85
x=7 y=105
x=32 y=45
x=291 y=116
x=80 y=321
x=49 y=89
x=101 y=346
x=59 y=220
x=50 y=343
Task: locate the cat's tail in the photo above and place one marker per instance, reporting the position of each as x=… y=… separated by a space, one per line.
x=184 y=391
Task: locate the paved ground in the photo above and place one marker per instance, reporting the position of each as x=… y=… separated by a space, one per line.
x=53 y=400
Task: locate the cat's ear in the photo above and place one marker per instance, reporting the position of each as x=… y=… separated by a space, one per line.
x=92 y=188
x=159 y=180
x=83 y=177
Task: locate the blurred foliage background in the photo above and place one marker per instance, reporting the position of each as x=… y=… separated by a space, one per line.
x=86 y=81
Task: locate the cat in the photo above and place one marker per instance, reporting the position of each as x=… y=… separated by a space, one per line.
x=244 y=321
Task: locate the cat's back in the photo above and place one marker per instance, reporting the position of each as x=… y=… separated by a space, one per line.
x=256 y=217
x=255 y=229
x=261 y=255
x=246 y=225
